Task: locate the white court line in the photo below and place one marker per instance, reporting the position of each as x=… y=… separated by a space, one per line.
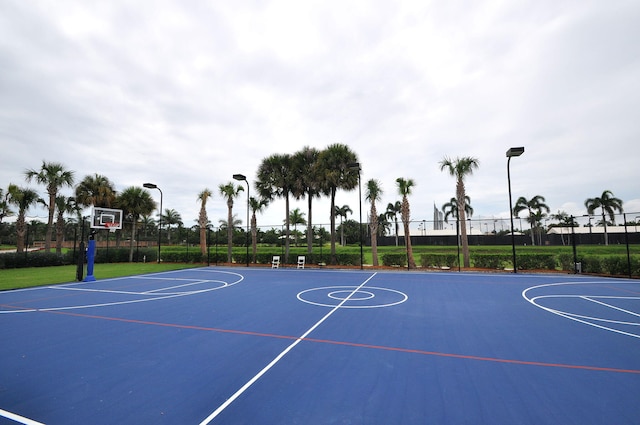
x=152 y=297
x=279 y=357
x=570 y=316
x=611 y=306
x=106 y=291
x=197 y=282
x=18 y=418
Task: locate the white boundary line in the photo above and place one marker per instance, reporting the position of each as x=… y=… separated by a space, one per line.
x=152 y=296
x=246 y=386
x=18 y=418
x=574 y=317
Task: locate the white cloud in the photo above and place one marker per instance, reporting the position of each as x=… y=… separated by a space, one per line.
x=186 y=94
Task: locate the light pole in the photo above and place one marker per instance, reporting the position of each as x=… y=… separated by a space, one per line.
x=356 y=166
x=510 y=154
x=153 y=186
x=242 y=177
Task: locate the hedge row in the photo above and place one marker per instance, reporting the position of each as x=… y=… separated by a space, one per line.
x=611 y=264
x=608 y=265
x=439 y=260
x=394 y=260
x=14 y=260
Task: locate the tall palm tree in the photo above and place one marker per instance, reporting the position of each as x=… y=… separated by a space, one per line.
x=23 y=198
x=257 y=205
x=393 y=209
x=373 y=193
x=229 y=192
x=342 y=213
x=95 y=190
x=307 y=183
x=336 y=172
x=404 y=189
x=609 y=204
x=64 y=205
x=203 y=220
x=170 y=217
x=535 y=206
x=54 y=176
x=460 y=168
x=135 y=202
x=276 y=180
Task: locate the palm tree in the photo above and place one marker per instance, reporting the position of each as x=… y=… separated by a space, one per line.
x=235 y=223
x=24 y=199
x=230 y=191
x=135 y=202
x=373 y=193
x=257 y=205
x=54 y=176
x=336 y=171
x=404 y=189
x=5 y=211
x=203 y=220
x=460 y=168
x=146 y=221
x=276 y=180
x=393 y=209
x=609 y=204
x=296 y=217
x=451 y=208
x=534 y=206
x=384 y=225
x=305 y=168
x=170 y=217
x=342 y=213
x=95 y=190
x=64 y=205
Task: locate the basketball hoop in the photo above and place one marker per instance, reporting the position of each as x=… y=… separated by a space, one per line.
x=112 y=226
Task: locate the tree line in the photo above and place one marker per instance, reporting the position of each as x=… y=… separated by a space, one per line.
x=307 y=174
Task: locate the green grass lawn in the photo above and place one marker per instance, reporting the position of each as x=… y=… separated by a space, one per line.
x=38 y=276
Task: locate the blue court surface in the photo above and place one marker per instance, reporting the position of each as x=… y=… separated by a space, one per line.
x=285 y=346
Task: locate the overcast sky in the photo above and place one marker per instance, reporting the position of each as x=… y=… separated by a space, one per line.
x=186 y=93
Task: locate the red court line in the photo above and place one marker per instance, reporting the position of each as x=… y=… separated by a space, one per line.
x=353 y=344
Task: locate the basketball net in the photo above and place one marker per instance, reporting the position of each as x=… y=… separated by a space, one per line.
x=112 y=227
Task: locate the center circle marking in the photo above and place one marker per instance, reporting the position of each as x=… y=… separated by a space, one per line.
x=359 y=296
x=352 y=297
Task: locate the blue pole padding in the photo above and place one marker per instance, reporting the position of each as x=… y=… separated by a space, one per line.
x=91 y=255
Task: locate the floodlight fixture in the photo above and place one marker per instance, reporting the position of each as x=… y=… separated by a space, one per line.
x=515 y=152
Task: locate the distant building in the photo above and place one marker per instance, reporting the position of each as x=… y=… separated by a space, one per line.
x=438 y=218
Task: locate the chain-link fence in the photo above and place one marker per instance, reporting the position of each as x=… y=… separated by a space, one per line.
x=588 y=243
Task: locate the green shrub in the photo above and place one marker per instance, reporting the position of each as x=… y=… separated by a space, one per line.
x=566 y=262
x=491 y=261
x=536 y=261
x=14 y=260
x=618 y=264
x=394 y=260
x=348 y=259
x=591 y=264
x=438 y=260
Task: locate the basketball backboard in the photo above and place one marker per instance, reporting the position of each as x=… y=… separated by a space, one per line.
x=106 y=218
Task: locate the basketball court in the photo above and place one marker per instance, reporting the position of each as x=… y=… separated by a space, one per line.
x=289 y=346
